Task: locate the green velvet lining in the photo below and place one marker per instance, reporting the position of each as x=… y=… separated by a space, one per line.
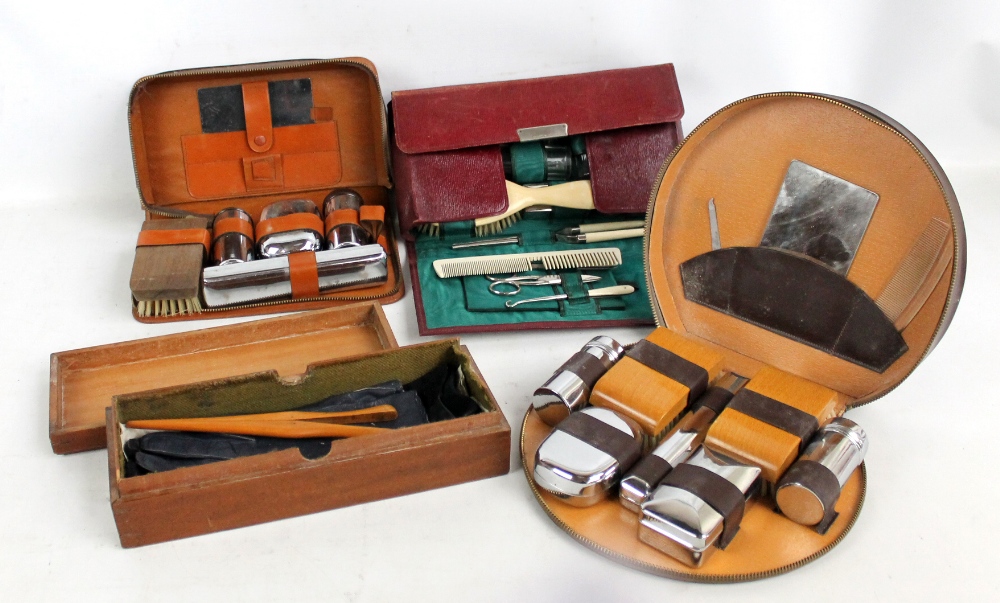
x=265 y=392
x=465 y=302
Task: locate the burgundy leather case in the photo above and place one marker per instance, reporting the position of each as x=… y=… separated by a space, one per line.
x=446 y=141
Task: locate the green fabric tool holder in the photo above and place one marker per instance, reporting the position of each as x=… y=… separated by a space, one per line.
x=466 y=301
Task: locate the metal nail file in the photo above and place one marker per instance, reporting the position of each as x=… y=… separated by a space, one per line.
x=600 y=236
x=820 y=215
x=713 y=225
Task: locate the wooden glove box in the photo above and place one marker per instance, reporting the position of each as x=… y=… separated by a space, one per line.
x=297 y=358
x=198 y=147
x=448 y=167
x=739 y=157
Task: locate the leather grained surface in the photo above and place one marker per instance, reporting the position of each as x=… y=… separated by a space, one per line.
x=445 y=141
x=475 y=115
x=447 y=187
x=624 y=165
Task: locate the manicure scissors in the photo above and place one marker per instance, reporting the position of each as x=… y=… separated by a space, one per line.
x=511 y=285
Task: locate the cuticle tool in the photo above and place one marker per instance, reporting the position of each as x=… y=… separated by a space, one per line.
x=616 y=291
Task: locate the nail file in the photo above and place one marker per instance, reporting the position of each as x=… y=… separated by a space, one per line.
x=713 y=225
x=603 y=257
x=615 y=291
x=917 y=274
x=602 y=227
x=601 y=236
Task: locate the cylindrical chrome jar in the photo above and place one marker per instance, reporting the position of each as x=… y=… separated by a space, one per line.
x=808 y=491
x=289 y=226
x=232 y=237
x=568 y=389
x=343 y=229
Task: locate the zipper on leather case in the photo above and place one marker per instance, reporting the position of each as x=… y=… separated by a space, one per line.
x=267 y=68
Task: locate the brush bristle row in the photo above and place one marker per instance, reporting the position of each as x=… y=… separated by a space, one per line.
x=497 y=227
x=165 y=308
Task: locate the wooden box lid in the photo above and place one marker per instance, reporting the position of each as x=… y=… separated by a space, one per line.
x=739 y=157
x=83 y=382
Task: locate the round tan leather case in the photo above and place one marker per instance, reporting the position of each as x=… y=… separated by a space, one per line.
x=906 y=273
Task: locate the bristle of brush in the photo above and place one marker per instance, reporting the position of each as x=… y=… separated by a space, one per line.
x=431 y=229
x=166 y=308
x=497 y=227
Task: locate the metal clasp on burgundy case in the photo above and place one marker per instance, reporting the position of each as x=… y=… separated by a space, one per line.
x=542 y=132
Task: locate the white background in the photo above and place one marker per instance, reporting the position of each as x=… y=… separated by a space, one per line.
x=69 y=213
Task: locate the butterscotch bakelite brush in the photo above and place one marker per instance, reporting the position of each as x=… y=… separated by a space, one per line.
x=290 y=424
x=770 y=420
x=657 y=379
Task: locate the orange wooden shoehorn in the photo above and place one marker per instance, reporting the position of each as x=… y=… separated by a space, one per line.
x=289 y=424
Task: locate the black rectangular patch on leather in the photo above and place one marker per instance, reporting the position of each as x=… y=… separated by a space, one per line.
x=222 y=110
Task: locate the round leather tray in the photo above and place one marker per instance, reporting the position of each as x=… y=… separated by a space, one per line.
x=766 y=545
x=739 y=157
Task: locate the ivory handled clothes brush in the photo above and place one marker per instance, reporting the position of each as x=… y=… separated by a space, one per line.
x=571 y=195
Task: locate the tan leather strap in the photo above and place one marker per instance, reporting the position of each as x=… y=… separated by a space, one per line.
x=257 y=107
x=227 y=225
x=303 y=274
x=187 y=236
x=299 y=221
x=341 y=216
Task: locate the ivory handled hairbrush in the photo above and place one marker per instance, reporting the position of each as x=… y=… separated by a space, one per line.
x=291 y=424
x=570 y=195
x=603 y=257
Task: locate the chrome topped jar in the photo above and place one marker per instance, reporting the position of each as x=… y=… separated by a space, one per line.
x=809 y=490
x=289 y=226
x=568 y=389
x=232 y=237
x=343 y=227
